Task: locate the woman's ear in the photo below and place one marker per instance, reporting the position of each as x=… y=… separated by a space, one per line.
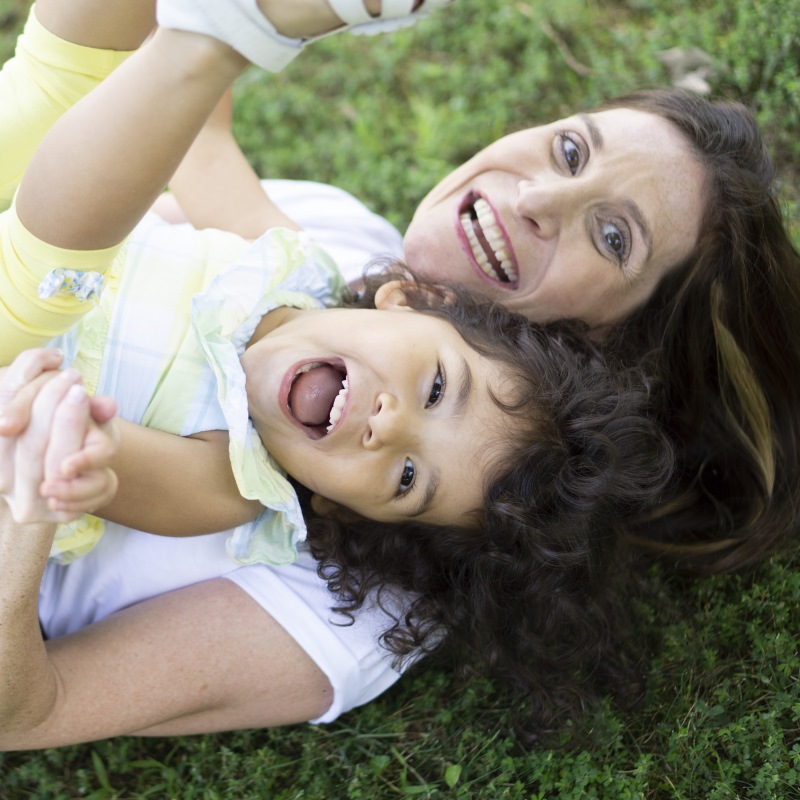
x=330 y=508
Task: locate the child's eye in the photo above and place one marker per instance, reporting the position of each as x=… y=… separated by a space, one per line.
x=437 y=390
x=407 y=478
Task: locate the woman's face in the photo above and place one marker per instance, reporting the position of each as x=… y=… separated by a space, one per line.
x=581 y=218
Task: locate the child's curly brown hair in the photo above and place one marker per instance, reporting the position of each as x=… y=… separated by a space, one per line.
x=528 y=593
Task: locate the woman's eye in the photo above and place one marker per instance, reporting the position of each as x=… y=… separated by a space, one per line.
x=571 y=153
x=437 y=390
x=616 y=240
x=407 y=478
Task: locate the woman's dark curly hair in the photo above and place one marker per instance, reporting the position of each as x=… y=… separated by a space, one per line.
x=529 y=595
x=724 y=327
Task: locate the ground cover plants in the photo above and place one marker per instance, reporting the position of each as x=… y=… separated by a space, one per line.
x=385 y=120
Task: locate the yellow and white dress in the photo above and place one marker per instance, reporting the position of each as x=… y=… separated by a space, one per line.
x=165 y=342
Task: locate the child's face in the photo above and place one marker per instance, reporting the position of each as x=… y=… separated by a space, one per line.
x=413 y=433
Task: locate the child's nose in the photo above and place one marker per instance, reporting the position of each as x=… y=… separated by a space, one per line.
x=385 y=425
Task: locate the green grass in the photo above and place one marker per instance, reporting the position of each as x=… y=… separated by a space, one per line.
x=385 y=119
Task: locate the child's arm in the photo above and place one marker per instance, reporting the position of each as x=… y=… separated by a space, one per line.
x=100 y=24
x=190 y=476
x=105 y=161
x=215 y=186
x=148 y=464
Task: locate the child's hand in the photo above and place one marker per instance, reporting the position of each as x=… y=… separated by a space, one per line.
x=48 y=441
x=77 y=475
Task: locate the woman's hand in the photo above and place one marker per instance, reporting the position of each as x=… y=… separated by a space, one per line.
x=54 y=458
x=20 y=383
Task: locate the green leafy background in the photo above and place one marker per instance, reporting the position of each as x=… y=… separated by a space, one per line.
x=385 y=119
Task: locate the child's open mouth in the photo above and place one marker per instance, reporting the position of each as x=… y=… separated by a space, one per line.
x=317 y=397
x=486 y=241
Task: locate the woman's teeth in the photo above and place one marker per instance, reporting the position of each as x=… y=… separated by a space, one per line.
x=338 y=405
x=494 y=238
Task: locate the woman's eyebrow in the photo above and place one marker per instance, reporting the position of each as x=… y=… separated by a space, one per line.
x=631 y=207
x=638 y=217
x=594 y=131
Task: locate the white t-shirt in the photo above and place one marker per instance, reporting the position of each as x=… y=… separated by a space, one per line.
x=128 y=566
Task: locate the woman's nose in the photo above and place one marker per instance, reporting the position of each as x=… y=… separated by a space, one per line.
x=546 y=205
x=386 y=424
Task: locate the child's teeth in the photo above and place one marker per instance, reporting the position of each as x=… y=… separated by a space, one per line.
x=338 y=405
x=308 y=367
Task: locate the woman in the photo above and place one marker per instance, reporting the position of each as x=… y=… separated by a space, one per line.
x=654 y=221
x=226 y=634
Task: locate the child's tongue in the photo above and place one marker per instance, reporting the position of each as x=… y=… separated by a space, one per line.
x=313 y=393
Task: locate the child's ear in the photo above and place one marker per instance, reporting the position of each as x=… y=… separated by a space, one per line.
x=393 y=295
x=330 y=508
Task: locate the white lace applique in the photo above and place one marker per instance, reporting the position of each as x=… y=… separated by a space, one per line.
x=82 y=285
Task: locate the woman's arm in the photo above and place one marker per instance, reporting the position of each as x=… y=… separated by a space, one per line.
x=29 y=685
x=215 y=186
x=203 y=658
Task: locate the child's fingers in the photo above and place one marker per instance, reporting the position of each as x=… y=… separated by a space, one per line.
x=99 y=448
x=84 y=494
x=68 y=430
x=102 y=408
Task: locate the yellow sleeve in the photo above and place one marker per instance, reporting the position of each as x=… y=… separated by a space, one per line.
x=27 y=320
x=46 y=76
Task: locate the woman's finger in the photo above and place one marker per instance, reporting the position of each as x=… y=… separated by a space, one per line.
x=32 y=446
x=68 y=430
x=18 y=415
x=17 y=412
x=24 y=368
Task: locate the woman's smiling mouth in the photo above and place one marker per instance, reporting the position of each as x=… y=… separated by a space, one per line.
x=314 y=396
x=485 y=241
